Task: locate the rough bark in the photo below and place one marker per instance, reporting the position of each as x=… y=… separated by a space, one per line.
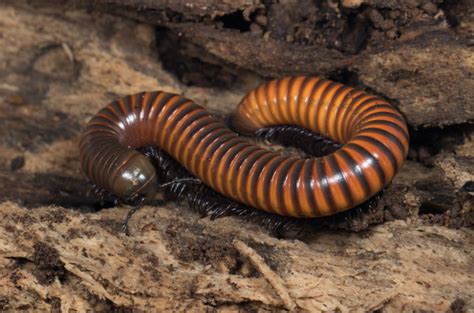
x=391 y=47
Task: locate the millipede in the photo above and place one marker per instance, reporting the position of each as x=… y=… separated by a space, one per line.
x=372 y=136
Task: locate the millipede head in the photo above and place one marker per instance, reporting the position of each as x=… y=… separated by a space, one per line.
x=136 y=178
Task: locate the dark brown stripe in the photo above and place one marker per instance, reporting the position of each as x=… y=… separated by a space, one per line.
x=117 y=109
x=309 y=183
x=357 y=111
x=261 y=105
x=356 y=118
x=127 y=101
x=104 y=122
x=110 y=114
x=113 y=108
x=260 y=165
x=282 y=173
x=303 y=85
x=214 y=140
x=240 y=157
x=323 y=181
x=280 y=107
x=200 y=142
x=193 y=117
x=389 y=124
x=357 y=170
x=337 y=117
x=213 y=136
x=258 y=171
x=370 y=158
x=386 y=134
x=219 y=137
x=106 y=173
x=341 y=90
x=94 y=168
x=157 y=119
x=294 y=175
x=234 y=152
x=381 y=146
x=269 y=100
x=227 y=144
x=146 y=108
x=341 y=180
x=328 y=88
x=200 y=120
x=268 y=177
x=121 y=162
x=165 y=117
x=251 y=159
x=314 y=90
x=139 y=97
x=349 y=111
x=288 y=97
x=197 y=138
x=330 y=104
x=383 y=114
x=172 y=126
x=250 y=162
x=162 y=103
x=202 y=129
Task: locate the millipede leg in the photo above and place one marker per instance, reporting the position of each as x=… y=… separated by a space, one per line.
x=181 y=185
x=105 y=199
x=355 y=219
x=189 y=180
x=315 y=145
x=298 y=137
x=210 y=203
x=127 y=218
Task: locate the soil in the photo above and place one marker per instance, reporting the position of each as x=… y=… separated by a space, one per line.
x=61 y=61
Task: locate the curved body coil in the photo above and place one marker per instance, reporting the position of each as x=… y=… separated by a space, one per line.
x=373 y=133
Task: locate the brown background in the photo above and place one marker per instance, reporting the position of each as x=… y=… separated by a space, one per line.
x=60 y=61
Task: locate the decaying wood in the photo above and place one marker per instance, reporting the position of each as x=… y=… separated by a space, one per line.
x=265 y=270
x=398 y=264
x=400 y=45
x=59 y=65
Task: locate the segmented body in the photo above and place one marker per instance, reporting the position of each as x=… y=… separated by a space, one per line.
x=373 y=135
